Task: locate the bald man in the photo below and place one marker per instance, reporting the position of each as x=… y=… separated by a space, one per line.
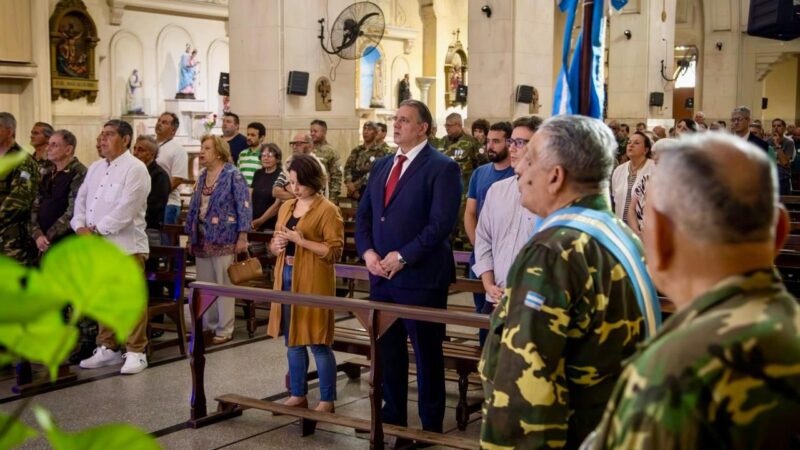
x=723 y=371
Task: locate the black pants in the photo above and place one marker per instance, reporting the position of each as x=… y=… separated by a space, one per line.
x=426 y=339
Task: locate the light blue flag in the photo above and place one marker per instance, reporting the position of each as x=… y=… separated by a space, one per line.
x=567 y=95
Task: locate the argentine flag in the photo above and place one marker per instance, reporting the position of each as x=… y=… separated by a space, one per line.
x=567 y=93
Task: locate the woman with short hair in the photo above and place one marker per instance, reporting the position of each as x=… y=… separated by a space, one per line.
x=217 y=224
x=265 y=205
x=308 y=241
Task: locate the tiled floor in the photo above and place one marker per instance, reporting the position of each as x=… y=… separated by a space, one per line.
x=157 y=400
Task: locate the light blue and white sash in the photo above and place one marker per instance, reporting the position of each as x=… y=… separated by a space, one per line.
x=603 y=228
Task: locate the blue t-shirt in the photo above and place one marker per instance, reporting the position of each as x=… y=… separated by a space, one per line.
x=482 y=179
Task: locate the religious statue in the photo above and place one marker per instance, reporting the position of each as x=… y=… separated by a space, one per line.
x=188 y=73
x=377 y=85
x=133 y=97
x=403 y=90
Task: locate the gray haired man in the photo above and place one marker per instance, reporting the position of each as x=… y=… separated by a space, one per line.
x=722 y=373
x=578 y=298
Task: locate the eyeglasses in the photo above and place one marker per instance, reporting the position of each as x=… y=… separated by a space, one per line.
x=518 y=142
x=738 y=119
x=296 y=143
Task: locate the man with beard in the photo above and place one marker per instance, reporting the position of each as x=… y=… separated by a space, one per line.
x=40 y=140
x=482 y=179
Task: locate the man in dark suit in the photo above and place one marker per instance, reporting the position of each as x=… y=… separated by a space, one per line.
x=403 y=225
x=740 y=126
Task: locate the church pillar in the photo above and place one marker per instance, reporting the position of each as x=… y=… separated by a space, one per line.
x=270 y=38
x=512 y=47
x=428 y=16
x=634 y=64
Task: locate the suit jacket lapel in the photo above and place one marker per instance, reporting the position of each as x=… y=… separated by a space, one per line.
x=418 y=162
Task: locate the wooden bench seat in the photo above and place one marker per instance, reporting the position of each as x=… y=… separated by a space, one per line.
x=310 y=417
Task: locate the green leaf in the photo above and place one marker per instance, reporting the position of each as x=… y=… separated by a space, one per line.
x=104 y=437
x=13 y=432
x=47 y=340
x=26 y=296
x=10 y=161
x=99 y=280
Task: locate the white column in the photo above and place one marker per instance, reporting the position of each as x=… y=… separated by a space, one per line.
x=512 y=47
x=634 y=67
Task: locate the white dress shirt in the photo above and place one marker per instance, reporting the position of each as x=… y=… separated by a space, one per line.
x=113 y=199
x=504 y=227
x=174 y=159
x=409 y=158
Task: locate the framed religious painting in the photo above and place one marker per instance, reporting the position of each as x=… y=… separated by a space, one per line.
x=73 y=38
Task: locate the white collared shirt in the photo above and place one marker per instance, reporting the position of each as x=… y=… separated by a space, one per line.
x=174 y=159
x=113 y=199
x=409 y=158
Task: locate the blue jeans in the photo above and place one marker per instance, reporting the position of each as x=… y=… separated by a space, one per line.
x=298 y=356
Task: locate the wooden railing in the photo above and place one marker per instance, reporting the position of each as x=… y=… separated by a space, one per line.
x=375 y=317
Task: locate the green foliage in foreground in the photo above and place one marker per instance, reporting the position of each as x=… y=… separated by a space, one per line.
x=97 y=280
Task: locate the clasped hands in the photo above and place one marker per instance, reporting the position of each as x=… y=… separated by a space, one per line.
x=386 y=267
x=282 y=236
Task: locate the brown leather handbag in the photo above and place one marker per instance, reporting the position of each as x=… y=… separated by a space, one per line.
x=248 y=269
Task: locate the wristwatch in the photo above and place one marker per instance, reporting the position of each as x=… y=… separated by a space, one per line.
x=400 y=258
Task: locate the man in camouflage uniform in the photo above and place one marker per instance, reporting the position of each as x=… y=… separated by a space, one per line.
x=40 y=137
x=570 y=315
x=17 y=193
x=329 y=157
x=468 y=153
x=359 y=163
x=723 y=371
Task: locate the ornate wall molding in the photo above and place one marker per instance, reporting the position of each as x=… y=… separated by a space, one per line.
x=206 y=9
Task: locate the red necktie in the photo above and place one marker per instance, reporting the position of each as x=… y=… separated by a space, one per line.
x=394 y=177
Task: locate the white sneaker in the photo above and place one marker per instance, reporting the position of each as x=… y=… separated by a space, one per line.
x=101 y=357
x=134 y=363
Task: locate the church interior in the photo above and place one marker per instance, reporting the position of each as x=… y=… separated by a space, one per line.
x=77 y=64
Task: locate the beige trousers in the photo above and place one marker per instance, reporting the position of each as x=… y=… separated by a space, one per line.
x=137 y=340
x=220 y=316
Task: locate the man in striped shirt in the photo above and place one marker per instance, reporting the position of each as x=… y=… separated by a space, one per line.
x=250 y=158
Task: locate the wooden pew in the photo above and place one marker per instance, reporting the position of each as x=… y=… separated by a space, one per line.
x=375 y=317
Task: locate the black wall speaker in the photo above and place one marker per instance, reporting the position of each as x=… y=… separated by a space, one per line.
x=774 y=19
x=764 y=102
x=224 y=87
x=657 y=99
x=461 y=94
x=298 y=83
x=524 y=93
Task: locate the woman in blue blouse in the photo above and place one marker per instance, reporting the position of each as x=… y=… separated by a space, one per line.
x=219 y=218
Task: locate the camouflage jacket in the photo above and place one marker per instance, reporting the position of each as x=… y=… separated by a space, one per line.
x=61 y=227
x=724 y=372
x=17 y=193
x=466 y=151
x=557 y=340
x=330 y=159
x=360 y=161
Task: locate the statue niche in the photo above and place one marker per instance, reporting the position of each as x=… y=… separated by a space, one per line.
x=455 y=73
x=73 y=38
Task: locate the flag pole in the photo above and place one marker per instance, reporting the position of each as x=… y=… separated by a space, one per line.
x=584 y=101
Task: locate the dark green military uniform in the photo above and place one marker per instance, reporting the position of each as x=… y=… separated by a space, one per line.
x=359 y=163
x=557 y=340
x=468 y=153
x=724 y=372
x=61 y=227
x=17 y=193
x=330 y=159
